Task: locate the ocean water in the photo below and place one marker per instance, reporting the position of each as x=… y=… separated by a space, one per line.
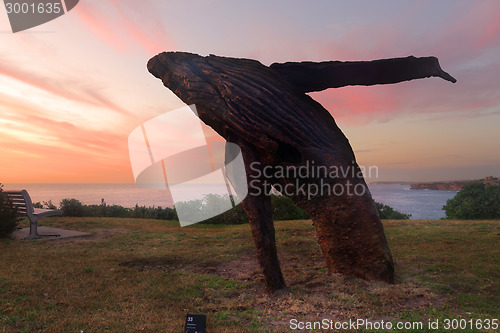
x=421 y=204
x=126 y=195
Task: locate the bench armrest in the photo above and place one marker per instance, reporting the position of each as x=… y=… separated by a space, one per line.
x=39 y=212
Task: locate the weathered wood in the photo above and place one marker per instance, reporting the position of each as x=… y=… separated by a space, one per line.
x=258 y=208
x=266 y=112
x=317 y=76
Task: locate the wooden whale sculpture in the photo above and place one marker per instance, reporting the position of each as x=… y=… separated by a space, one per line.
x=266 y=111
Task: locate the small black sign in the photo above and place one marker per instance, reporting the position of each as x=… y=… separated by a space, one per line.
x=195 y=323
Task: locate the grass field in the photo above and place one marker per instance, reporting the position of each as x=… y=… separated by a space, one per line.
x=146 y=275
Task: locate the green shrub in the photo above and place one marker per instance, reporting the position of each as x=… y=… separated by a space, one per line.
x=213 y=203
x=388 y=213
x=114 y=211
x=474 y=201
x=37 y=204
x=153 y=213
x=285 y=209
x=210 y=205
x=72 y=207
x=45 y=205
x=9 y=216
x=166 y=213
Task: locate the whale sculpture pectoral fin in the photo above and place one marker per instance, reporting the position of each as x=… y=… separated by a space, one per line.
x=317 y=76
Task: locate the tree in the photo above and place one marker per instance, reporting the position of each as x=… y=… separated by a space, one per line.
x=9 y=216
x=72 y=207
x=388 y=213
x=474 y=201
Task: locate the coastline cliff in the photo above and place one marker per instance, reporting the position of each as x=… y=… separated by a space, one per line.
x=453 y=185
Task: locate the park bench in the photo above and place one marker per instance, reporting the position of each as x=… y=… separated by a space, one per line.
x=22 y=201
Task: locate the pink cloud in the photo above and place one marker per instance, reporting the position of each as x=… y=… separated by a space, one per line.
x=491 y=30
x=126 y=25
x=476 y=93
x=360 y=105
x=149 y=32
x=466 y=41
x=97 y=21
x=469 y=32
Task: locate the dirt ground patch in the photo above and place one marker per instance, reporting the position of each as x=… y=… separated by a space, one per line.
x=308 y=277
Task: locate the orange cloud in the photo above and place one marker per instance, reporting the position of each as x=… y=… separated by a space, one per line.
x=45 y=150
x=61 y=87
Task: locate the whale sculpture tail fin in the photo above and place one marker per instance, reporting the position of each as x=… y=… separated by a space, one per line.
x=317 y=76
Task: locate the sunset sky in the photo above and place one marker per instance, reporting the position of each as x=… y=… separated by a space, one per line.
x=73 y=89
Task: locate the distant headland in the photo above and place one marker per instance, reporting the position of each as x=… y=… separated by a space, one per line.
x=453 y=185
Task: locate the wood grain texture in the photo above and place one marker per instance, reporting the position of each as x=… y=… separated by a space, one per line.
x=266 y=112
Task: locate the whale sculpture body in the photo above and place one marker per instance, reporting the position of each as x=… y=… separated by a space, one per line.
x=266 y=111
